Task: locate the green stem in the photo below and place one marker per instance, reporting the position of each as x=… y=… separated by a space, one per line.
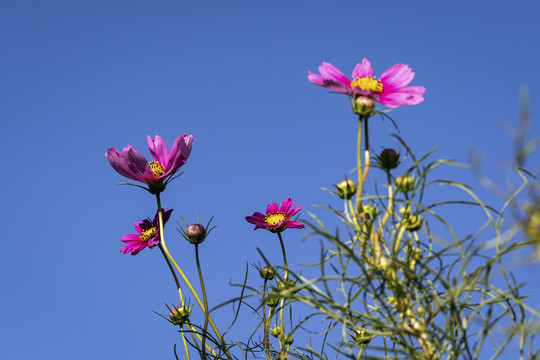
x=266 y=339
x=366 y=151
x=267 y=331
x=282 y=305
x=199 y=302
x=285 y=266
x=182 y=303
x=206 y=313
x=360 y=188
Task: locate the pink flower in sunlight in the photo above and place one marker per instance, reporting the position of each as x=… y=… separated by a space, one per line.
x=133 y=165
x=390 y=89
x=277 y=218
x=147 y=234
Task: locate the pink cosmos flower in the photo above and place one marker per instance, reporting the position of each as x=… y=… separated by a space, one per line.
x=390 y=90
x=147 y=234
x=277 y=218
x=133 y=165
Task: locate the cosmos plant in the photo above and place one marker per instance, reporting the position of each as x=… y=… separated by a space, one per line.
x=385 y=285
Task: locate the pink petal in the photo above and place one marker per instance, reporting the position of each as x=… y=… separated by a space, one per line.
x=397 y=76
x=143 y=225
x=130 y=163
x=180 y=152
x=272 y=208
x=133 y=247
x=328 y=70
x=294 y=211
x=158 y=149
x=256 y=218
x=411 y=95
x=295 y=225
x=286 y=205
x=331 y=78
x=362 y=70
x=130 y=237
x=166 y=214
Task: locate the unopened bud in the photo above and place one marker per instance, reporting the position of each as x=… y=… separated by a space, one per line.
x=272 y=299
x=404 y=183
x=288 y=285
x=388 y=159
x=370 y=212
x=363 y=105
x=195 y=233
x=289 y=340
x=346 y=189
x=180 y=315
x=362 y=337
x=413 y=222
x=275 y=332
x=267 y=273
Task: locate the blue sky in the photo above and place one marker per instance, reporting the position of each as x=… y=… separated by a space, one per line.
x=78 y=77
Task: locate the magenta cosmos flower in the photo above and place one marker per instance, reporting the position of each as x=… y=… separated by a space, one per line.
x=277 y=218
x=133 y=165
x=147 y=234
x=390 y=89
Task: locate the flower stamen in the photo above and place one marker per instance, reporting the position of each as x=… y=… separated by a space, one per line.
x=149 y=233
x=275 y=218
x=157 y=169
x=368 y=83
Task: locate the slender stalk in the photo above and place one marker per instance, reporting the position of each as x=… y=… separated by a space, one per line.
x=162 y=242
x=366 y=151
x=185 y=342
x=282 y=305
x=360 y=188
x=267 y=332
x=206 y=313
x=266 y=323
x=285 y=266
x=184 y=277
x=182 y=303
x=390 y=207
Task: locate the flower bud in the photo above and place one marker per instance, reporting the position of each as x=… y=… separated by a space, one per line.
x=275 y=332
x=195 y=233
x=267 y=273
x=272 y=299
x=346 y=189
x=362 y=337
x=404 y=183
x=179 y=315
x=363 y=105
x=413 y=222
x=370 y=212
x=388 y=159
x=288 y=285
x=289 y=340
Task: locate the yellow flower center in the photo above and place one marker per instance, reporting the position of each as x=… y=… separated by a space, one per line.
x=274 y=219
x=157 y=169
x=148 y=233
x=368 y=83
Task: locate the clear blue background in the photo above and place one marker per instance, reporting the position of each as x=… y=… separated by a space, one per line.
x=77 y=77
